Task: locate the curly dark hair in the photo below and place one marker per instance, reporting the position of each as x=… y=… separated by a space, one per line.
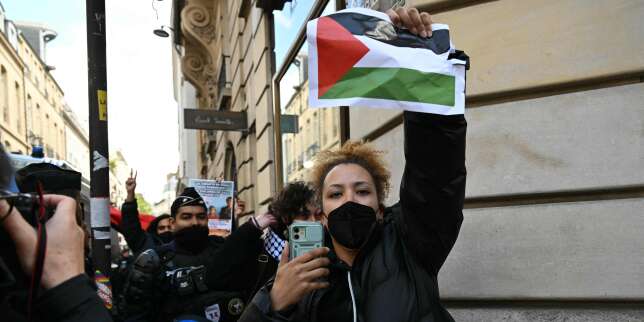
x=352 y=152
x=291 y=201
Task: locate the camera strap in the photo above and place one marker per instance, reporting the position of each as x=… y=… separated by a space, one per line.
x=41 y=249
x=8 y=212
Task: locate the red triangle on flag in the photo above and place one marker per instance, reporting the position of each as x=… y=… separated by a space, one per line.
x=338 y=51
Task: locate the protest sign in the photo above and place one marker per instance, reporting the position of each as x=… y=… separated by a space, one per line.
x=218 y=196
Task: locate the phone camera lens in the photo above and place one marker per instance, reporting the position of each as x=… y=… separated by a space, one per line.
x=296 y=230
x=296 y=237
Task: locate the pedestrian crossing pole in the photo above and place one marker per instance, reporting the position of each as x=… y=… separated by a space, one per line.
x=98 y=145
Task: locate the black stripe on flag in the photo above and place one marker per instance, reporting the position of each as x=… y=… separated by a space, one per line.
x=383 y=31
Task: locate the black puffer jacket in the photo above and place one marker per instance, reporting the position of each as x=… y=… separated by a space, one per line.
x=394 y=277
x=137 y=239
x=74 y=300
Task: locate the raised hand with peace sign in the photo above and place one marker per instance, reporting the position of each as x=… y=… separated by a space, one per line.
x=130 y=186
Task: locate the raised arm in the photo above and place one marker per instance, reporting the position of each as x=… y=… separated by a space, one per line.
x=433 y=185
x=240 y=249
x=130 y=223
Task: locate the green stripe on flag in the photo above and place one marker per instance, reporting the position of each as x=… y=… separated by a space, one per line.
x=400 y=84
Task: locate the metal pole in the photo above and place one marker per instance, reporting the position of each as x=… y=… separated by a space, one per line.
x=98 y=145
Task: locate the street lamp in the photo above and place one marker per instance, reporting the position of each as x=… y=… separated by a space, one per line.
x=161 y=31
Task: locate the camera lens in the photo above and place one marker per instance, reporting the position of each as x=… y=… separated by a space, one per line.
x=296 y=237
x=296 y=230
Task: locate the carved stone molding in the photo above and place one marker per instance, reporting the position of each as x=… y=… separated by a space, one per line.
x=199 y=19
x=198 y=70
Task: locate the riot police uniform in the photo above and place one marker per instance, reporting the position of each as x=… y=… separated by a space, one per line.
x=215 y=283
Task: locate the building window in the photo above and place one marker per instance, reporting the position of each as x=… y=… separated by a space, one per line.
x=287 y=23
x=45 y=134
x=29 y=108
x=4 y=94
x=54 y=139
x=18 y=108
x=62 y=140
x=39 y=121
x=298 y=150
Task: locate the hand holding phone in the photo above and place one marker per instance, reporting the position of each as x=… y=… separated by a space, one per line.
x=297 y=277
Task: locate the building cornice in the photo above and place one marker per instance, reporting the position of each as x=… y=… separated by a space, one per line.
x=42 y=63
x=8 y=48
x=202 y=48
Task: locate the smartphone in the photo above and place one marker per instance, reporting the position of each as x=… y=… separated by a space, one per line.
x=304 y=236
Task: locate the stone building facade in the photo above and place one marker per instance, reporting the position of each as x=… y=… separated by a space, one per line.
x=555 y=149
x=224 y=63
x=13 y=134
x=32 y=104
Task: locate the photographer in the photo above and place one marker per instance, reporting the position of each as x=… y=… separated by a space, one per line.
x=296 y=201
x=66 y=293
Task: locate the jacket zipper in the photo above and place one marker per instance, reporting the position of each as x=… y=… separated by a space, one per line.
x=353 y=299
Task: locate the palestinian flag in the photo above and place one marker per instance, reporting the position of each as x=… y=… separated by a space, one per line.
x=357 y=57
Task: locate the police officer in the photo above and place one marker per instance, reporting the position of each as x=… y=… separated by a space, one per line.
x=196 y=274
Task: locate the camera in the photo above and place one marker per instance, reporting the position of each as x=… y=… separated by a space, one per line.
x=27 y=205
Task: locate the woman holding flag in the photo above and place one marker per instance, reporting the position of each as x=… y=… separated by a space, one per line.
x=381 y=263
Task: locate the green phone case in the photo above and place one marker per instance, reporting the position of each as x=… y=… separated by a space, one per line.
x=304 y=236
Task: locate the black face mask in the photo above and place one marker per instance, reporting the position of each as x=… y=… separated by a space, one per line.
x=193 y=238
x=351 y=224
x=166 y=236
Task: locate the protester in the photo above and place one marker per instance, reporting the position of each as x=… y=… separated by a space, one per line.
x=161 y=227
x=375 y=252
x=67 y=294
x=137 y=239
x=296 y=201
x=196 y=273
